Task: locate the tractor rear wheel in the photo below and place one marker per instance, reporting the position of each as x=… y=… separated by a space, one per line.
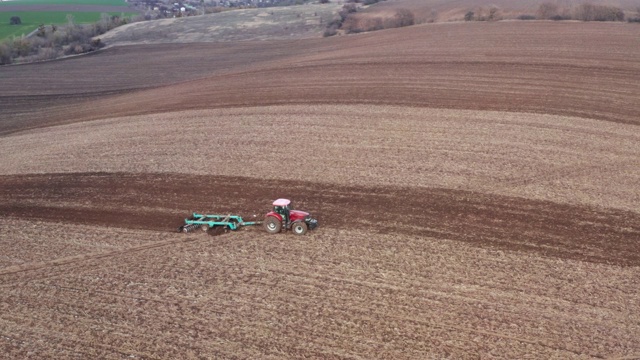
x=299 y=228
x=272 y=225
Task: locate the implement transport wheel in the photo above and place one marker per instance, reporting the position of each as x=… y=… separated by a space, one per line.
x=299 y=228
x=272 y=225
x=204 y=228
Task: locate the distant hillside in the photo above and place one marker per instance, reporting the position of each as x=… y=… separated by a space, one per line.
x=454 y=10
x=291 y=22
x=311 y=20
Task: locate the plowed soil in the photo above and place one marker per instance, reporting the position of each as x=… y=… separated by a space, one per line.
x=476 y=185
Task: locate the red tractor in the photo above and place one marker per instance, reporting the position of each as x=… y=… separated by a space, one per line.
x=284 y=217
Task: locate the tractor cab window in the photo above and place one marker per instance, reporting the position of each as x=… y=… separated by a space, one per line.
x=282 y=209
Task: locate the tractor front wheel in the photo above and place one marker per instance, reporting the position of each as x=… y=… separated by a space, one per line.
x=272 y=225
x=299 y=228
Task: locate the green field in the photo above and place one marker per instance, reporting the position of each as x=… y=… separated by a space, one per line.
x=32 y=19
x=64 y=2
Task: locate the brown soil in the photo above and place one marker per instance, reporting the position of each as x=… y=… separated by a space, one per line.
x=518 y=67
x=568 y=160
x=476 y=186
x=160 y=202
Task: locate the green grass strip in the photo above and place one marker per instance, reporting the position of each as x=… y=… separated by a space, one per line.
x=32 y=19
x=64 y=2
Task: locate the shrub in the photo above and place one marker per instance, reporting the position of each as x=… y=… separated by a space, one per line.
x=609 y=13
x=335 y=24
x=332 y=27
x=352 y=24
x=42 y=31
x=63 y=40
x=348 y=9
x=469 y=16
x=5 y=54
x=212 y=10
x=46 y=53
x=376 y=24
x=330 y=31
x=15 y=20
x=526 y=17
x=484 y=14
x=634 y=20
x=590 y=12
x=20 y=46
x=433 y=16
x=403 y=17
x=493 y=14
x=547 y=11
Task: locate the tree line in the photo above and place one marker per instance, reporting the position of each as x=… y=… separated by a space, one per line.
x=52 y=41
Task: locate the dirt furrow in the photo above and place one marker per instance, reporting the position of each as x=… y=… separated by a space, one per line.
x=545 y=228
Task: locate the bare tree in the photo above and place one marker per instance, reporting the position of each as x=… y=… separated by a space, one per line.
x=5 y=54
x=404 y=17
x=590 y=12
x=70 y=20
x=547 y=11
x=493 y=14
x=469 y=16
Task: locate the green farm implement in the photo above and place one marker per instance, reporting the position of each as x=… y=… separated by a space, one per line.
x=214 y=223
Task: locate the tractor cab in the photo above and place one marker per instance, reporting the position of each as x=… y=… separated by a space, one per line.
x=283 y=208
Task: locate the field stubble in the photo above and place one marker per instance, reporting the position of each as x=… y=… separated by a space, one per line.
x=540 y=157
x=572 y=69
x=334 y=294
